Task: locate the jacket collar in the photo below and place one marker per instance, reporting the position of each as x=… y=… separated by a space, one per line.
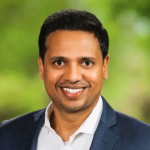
x=104 y=137
x=31 y=131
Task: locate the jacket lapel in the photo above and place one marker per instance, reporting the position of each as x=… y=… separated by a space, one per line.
x=31 y=131
x=104 y=137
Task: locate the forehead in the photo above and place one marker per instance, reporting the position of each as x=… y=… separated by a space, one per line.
x=65 y=42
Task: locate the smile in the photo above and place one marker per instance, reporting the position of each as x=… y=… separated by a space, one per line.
x=72 y=91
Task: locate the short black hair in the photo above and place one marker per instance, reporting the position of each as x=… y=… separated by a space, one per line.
x=73 y=20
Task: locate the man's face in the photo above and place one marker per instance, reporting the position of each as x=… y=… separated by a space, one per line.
x=73 y=70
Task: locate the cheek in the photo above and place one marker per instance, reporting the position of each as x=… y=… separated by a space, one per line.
x=51 y=77
x=94 y=76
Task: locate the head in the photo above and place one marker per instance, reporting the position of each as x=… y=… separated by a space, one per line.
x=73 y=20
x=73 y=49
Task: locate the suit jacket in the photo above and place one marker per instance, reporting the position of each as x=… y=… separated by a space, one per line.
x=115 y=131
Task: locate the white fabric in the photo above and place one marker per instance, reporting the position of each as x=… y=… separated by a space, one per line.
x=80 y=140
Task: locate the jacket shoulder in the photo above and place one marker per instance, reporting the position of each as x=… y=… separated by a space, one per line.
x=132 y=132
x=18 y=121
x=131 y=121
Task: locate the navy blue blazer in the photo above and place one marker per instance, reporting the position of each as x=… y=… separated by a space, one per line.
x=115 y=131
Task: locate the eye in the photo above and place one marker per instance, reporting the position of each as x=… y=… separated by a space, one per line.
x=87 y=63
x=58 y=63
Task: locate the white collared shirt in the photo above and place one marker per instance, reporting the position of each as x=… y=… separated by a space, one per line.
x=81 y=140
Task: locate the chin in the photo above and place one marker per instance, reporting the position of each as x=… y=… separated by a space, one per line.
x=73 y=109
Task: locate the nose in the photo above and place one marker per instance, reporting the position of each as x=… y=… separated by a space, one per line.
x=73 y=73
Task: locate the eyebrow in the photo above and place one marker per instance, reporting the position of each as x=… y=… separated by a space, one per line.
x=57 y=58
x=88 y=58
x=64 y=58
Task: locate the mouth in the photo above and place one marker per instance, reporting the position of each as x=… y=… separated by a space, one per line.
x=72 y=93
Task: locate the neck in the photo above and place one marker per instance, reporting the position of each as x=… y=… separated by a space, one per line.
x=65 y=124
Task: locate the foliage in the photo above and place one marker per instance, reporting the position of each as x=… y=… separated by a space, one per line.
x=128 y=25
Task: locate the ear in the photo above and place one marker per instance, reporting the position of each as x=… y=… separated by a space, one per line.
x=41 y=68
x=105 y=67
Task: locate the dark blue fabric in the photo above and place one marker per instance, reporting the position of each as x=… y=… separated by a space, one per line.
x=115 y=131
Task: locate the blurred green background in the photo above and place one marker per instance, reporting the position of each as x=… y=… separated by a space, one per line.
x=128 y=25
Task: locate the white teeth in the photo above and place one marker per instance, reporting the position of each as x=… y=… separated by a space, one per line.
x=72 y=90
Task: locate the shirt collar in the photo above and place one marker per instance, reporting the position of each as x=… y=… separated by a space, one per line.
x=89 y=125
x=48 y=114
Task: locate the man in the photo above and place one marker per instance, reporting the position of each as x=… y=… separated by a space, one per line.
x=73 y=49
